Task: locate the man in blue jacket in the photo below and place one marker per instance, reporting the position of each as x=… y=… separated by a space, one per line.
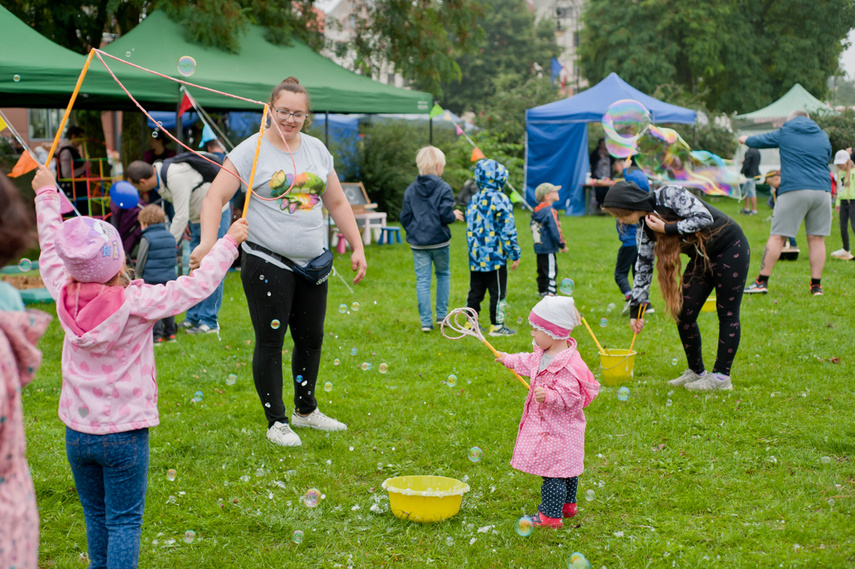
x=426 y=214
x=804 y=195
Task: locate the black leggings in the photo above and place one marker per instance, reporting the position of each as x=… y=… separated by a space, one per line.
x=272 y=294
x=847 y=216
x=727 y=275
x=497 y=283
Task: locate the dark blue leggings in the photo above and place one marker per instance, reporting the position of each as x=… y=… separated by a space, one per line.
x=556 y=492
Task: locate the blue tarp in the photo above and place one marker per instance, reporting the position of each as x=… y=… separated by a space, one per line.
x=557 y=137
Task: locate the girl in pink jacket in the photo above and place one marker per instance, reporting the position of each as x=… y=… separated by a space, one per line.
x=551 y=437
x=109 y=387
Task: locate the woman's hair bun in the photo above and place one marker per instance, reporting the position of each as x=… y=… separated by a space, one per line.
x=291 y=80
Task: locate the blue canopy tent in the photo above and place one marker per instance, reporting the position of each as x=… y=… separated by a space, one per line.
x=557 y=137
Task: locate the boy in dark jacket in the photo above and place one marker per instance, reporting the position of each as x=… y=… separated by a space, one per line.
x=548 y=238
x=426 y=214
x=156 y=262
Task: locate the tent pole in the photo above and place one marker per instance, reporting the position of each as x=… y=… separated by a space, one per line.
x=327 y=129
x=430 y=127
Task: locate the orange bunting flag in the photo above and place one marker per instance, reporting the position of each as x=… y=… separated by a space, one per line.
x=186 y=105
x=25 y=164
x=477 y=155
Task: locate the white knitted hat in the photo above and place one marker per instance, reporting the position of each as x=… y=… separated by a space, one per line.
x=555 y=316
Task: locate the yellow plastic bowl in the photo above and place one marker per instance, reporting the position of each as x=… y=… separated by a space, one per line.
x=709 y=305
x=425 y=498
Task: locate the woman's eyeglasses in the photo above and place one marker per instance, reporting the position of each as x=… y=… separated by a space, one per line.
x=298 y=116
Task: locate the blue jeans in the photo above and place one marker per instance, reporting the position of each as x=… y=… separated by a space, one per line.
x=422 y=259
x=111 y=473
x=206 y=311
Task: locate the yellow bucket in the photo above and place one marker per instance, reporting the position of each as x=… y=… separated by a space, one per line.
x=424 y=498
x=709 y=305
x=617 y=366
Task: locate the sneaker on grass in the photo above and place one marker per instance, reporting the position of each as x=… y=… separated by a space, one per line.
x=282 y=435
x=186 y=324
x=841 y=254
x=710 y=382
x=317 y=420
x=687 y=377
x=202 y=329
x=816 y=290
x=501 y=330
x=755 y=288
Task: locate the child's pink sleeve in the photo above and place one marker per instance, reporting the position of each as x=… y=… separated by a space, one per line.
x=520 y=363
x=48 y=220
x=160 y=301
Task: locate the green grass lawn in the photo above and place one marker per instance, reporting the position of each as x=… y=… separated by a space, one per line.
x=758 y=477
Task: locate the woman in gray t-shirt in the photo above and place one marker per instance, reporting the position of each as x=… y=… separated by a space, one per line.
x=294 y=179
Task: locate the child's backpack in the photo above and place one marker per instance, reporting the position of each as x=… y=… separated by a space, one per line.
x=206 y=169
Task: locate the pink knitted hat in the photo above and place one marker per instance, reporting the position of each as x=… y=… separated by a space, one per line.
x=90 y=249
x=554 y=315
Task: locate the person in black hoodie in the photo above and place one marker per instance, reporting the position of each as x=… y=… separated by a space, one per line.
x=156 y=262
x=671 y=221
x=426 y=214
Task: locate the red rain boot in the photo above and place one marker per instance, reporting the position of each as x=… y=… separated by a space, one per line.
x=542 y=520
x=569 y=510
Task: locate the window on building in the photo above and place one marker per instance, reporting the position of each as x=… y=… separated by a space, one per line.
x=351 y=21
x=42 y=124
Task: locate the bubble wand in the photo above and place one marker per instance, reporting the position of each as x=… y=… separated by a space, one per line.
x=469 y=327
x=641 y=310
x=591 y=332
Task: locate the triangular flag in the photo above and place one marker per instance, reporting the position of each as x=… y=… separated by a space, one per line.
x=516 y=197
x=65 y=204
x=477 y=155
x=458 y=130
x=25 y=164
x=2 y=123
x=435 y=111
x=186 y=105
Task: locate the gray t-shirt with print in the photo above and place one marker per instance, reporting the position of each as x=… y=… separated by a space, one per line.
x=292 y=224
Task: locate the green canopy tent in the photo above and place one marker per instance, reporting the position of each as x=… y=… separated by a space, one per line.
x=157 y=43
x=770 y=118
x=37 y=73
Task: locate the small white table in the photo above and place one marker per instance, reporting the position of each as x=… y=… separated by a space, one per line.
x=371 y=221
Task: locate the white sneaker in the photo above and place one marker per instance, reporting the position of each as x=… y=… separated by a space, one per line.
x=687 y=377
x=710 y=382
x=282 y=435
x=840 y=253
x=317 y=420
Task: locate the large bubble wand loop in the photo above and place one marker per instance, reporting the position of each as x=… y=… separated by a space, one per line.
x=469 y=327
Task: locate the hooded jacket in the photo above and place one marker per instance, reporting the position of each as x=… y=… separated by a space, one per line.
x=490 y=231
x=427 y=212
x=551 y=435
x=109 y=377
x=805 y=154
x=546 y=230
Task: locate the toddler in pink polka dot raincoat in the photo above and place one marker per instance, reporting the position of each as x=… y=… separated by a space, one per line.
x=551 y=438
x=109 y=380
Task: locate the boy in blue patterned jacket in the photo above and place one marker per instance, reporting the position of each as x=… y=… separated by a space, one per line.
x=492 y=239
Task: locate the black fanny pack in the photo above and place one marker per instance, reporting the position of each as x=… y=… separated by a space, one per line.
x=316 y=271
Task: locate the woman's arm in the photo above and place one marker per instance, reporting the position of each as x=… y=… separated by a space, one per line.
x=336 y=203
x=221 y=191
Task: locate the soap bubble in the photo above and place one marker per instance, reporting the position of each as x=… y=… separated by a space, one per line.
x=186 y=66
x=336 y=361
x=831 y=501
x=354 y=306
x=603 y=322
x=475 y=454
x=198 y=396
x=674 y=362
x=451 y=380
x=189 y=536
x=365 y=366
x=297 y=537
x=567 y=286
x=578 y=561
x=519 y=320
x=524 y=526
x=623 y=393
x=825 y=459
x=383 y=368
x=231 y=379
x=170 y=474
x=342 y=308
x=16 y=77
x=275 y=324
x=25 y=265
x=328 y=386
x=299 y=378
x=259 y=472
x=625 y=120
x=353 y=351
x=589 y=495
x=312 y=497
x=128 y=54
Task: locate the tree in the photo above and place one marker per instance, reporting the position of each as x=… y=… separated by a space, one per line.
x=737 y=55
x=512 y=46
